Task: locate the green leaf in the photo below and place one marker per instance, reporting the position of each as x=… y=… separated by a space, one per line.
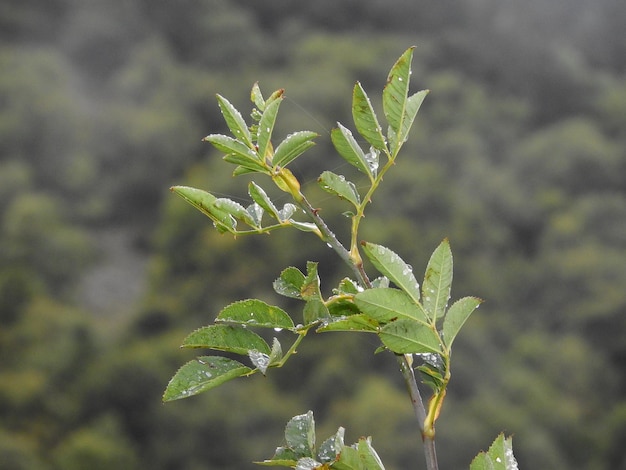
x=385 y=305
x=234 y=339
x=413 y=104
x=283 y=457
x=331 y=447
x=259 y=196
x=341 y=307
x=307 y=463
x=372 y=158
x=236 y=210
x=456 y=316
x=338 y=185
x=260 y=360
x=277 y=352
x=242 y=170
x=431 y=376
x=290 y=283
x=498 y=457
x=205 y=203
x=314 y=310
x=368 y=456
x=255 y=211
x=300 y=434
x=287 y=211
x=201 y=374
x=256 y=97
x=438 y=281
x=235 y=121
x=391 y=265
x=347 y=286
x=266 y=127
x=277 y=95
x=292 y=147
x=405 y=336
x=349 y=149
x=304 y=226
x=349 y=459
x=358 y=322
x=365 y=118
x=229 y=145
x=254 y=312
x=396 y=90
x=311 y=285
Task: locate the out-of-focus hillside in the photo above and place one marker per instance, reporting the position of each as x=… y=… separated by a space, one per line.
x=519 y=157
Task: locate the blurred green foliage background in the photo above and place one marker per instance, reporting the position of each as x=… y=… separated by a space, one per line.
x=519 y=157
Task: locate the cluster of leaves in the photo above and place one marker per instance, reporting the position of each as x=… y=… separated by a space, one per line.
x=409 y=319
x=300 y=451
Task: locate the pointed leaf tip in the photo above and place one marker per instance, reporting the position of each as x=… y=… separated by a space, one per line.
x=365 y=118
x=389 y=263
x=438 y=281
x=201 y=374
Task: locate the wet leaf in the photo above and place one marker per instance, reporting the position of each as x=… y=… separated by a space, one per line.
x=236 y=210
x=413 y=105
x=230 y=338
x=307 y=463
x=254 y=312
x=385 y=305
x=358 y=322
x=235 y=121
x=407 y=336
x=304 y=226
x=349 y=459
x=311 y=285
x=292 y=147
x=347 y=146
x=372 y=159
x=256 y=213
x=266 y=126
x=437 y=281
x=347 y=286
x=456 y=317
x=290 y=283
x=368 y=456
x=205 y=203
x=396 y=90
x=331 y=447
x=300 y=434
x=236 y=152
x=338 y=185
x=498 y=457
x=256 y=97
x=259 y=196
x=277 y=352
x=260 y=360
x=365 y=118
x=201 y=374
x=287 y=211
x=393 y=267
x=283 y=457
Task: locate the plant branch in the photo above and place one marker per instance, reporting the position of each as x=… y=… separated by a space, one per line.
x=420 y=411
x=329 y=237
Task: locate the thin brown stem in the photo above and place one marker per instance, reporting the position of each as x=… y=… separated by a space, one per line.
x=420 y=411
